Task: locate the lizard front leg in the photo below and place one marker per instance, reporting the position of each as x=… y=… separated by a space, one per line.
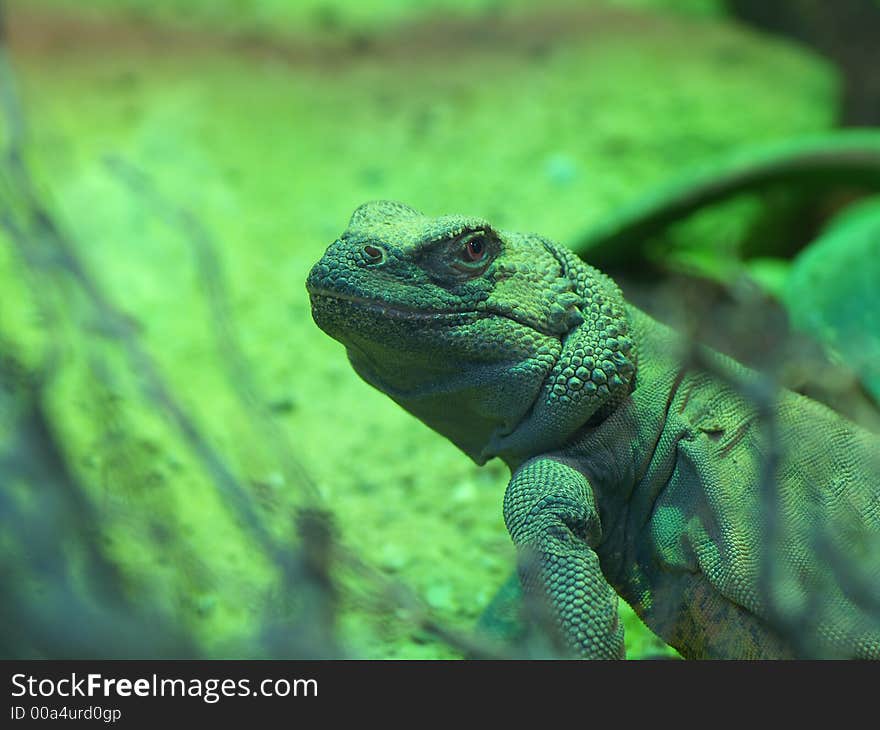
x=551 y=514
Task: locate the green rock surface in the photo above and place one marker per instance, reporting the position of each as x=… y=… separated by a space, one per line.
x=833 y=291
x=539 y=120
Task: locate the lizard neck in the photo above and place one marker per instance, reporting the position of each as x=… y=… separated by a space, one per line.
x=592 y=374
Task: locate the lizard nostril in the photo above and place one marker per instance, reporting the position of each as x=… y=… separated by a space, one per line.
x=374 y=254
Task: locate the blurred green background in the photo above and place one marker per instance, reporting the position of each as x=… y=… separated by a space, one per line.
x=159 y=131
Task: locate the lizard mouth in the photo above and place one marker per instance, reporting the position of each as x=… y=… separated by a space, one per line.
x=386 y=309
x=321 y=299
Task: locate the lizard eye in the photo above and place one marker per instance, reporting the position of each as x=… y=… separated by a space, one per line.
x=475 y=250
x=472 y=253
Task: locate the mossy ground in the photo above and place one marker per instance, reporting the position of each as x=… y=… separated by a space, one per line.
x=540 y=122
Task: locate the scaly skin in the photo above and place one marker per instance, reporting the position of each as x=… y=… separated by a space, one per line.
x=639 y=465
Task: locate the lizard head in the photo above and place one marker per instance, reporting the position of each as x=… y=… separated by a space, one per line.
x=502 y=342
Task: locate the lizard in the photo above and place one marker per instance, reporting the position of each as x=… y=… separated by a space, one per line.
x=643 y=466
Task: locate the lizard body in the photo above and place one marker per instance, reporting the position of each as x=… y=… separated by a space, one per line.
x=738 y=522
